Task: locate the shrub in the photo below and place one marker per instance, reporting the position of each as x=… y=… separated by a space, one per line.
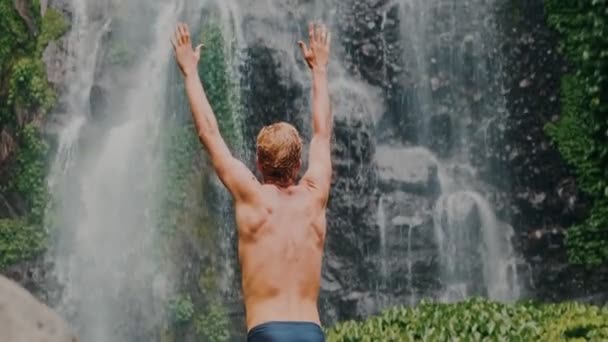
x=479 y=320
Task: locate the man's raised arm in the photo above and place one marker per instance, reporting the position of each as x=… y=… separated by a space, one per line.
x=318 y=176
x=235 y=175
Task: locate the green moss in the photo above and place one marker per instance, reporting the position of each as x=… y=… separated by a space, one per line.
x=15 y=39
x=25 y=95
x=53 y=27
x=220 y=89
x=213 y=325
x=181 y=309
x=185 y=213
x=29 y=88
x=581 y=134
x=479 y=320
x=19 y=240
x=27 y=178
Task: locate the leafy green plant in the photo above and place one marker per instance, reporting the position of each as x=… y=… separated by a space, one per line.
x=15 y=38
x=54 y=26
x=581 y=134
x=19 y=240
x=28 y=175
x=28 y=86
x=213 y=325
x=181 y=309
x=479 y=320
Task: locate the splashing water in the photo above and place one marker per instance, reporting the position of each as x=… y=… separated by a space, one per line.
x=113 y=287
x=381 y=218
x=475 y=249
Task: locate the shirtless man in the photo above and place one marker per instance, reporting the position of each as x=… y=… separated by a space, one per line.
x=281 y=222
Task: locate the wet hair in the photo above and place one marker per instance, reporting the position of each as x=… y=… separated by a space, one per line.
x=279 y=150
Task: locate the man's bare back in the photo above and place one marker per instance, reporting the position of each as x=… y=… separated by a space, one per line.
x=281 y=222
x=280 y=250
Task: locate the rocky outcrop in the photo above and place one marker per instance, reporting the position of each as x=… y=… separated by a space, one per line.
x=352 y=234
x=24 y=319
x=407 y=169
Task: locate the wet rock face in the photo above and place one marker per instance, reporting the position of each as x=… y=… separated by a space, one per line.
x=24 y=319
x=372 y=262
x=543 y=189
x=352 y=236
x=411 y=170
x=542 y=198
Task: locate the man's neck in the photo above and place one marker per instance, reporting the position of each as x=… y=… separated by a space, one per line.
x=279 y=184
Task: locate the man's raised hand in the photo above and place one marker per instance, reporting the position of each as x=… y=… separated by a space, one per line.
x=186 y=57
x=317 y=54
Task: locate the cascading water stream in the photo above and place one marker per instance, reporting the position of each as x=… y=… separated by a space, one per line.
x=381 y=218
x=410 y=274
x=113 y=287
x=475 y=249
x=84 y=42
x=452 y=100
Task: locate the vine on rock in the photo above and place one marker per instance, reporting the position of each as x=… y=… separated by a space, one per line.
x=581 y=134
x=25 y=97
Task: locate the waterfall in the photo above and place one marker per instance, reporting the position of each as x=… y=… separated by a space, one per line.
x=455 y=98
x=410 y=273
x=381 y=220
x=84 y=42
x=104 y=183
x=475 y=249
x=114 y=288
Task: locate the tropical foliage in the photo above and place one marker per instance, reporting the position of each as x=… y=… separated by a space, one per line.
x=581 y=134
x=479 y=320
x=25 y=96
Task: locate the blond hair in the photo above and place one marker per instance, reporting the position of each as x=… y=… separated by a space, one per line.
x=279 y=149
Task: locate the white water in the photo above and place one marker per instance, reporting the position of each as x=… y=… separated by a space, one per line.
x=113 y=287
x=444 y=45
x=474 y=246
x=381 y=221
x=84 y=41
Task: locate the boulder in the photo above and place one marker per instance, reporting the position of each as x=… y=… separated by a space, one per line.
x=407 y=169
x=24 y=319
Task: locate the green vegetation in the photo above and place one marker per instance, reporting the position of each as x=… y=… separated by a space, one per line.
x=181 y=309
x=581 y=134
x=53 y=27
x=218 y=81
x=479 y=320
x=29 y=172
x=19 y=240
x=185 y=217
x=213 y=326
x=29 y=88
x=25 y=96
